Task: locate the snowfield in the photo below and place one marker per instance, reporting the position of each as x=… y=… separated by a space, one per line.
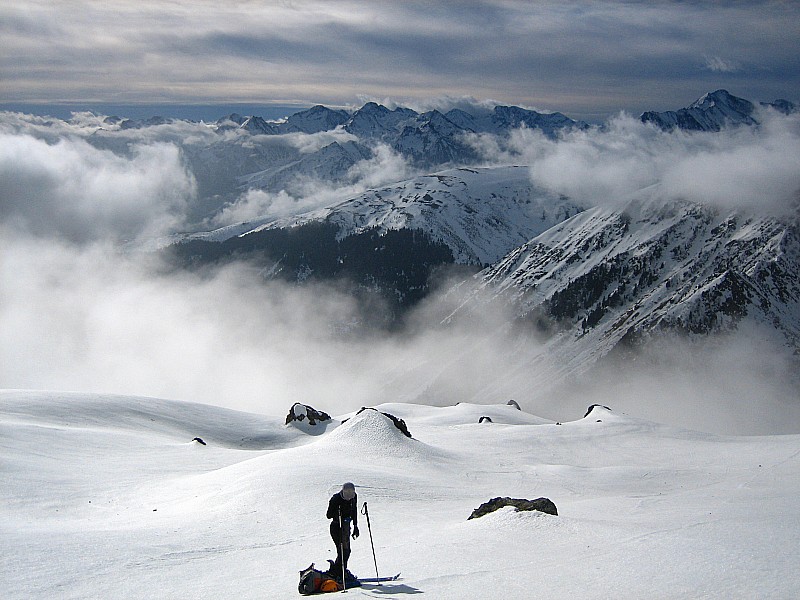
x=110 y=497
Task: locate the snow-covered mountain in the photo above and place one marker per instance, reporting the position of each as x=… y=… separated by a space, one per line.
x=374 y=121
x=314 y=120
x=712 y=112
x=618 y=275
x=505 y=118
x=391 y=239
x=238 y=153
x=480 y=213
x=330 y=163
x=250 y=153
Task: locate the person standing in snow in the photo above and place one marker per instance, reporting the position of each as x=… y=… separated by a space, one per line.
x=343 y=510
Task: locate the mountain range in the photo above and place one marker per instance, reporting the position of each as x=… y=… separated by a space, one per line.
x=590 y=278
x=238 y=153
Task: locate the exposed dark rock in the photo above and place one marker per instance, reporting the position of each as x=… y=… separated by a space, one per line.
x=544 y=505
x=514 y=404
x=592 y=407
x=399 y=423
x=199 y=441
x=394 y=267
x=304 y=413
x=486 y=419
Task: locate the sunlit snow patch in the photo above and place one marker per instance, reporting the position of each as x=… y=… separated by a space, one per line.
x=372 y=433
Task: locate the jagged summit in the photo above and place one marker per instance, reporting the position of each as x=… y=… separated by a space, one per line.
x=257 y=126
x=314 y=120
x=722 y=98
x=782 y=106
x=617 y=275
x=710 y=112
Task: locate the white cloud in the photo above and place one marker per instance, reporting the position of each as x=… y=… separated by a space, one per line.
x=384 y=167
x=720 y=65
x=73 y=189
x=308 y=143
x=255 y=204
x=754 y=168
x=87 y=318
x=310 y=193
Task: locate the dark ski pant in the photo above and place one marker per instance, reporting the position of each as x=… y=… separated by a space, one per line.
x=340 y=537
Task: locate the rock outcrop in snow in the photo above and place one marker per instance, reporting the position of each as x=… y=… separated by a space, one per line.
x=596 y=408
x=373 y=434
x=308 y=418
x=544 y=505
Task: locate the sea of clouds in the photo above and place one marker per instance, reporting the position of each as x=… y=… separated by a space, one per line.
x=80 y=310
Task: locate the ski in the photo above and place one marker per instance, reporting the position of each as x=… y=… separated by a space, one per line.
x=379 y=579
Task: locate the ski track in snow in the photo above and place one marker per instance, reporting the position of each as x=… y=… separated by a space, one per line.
x=109 y=497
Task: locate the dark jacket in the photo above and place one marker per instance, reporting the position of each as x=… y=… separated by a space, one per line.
x=349 y=509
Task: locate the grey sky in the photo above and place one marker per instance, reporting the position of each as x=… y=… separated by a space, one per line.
x=587 y=59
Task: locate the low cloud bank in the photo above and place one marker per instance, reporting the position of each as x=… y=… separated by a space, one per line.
x=739 y=382
x=87 y=179
x=307 y=193
x=86 y=318
x=751 y=168
x=69 y=188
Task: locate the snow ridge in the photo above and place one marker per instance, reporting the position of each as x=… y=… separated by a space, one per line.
x=480 y=213
x=612 y=275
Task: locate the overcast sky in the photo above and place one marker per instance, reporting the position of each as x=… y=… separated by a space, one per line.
x=586 y=59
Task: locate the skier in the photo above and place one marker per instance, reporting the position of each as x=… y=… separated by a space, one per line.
x=343 y=510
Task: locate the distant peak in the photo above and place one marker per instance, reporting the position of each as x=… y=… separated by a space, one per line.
x=711 y=98
x=374 y=107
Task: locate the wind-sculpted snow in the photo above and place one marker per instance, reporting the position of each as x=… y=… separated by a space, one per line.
x=371 y=435
x=463 y=414
x=176 y=421
x=97 y=504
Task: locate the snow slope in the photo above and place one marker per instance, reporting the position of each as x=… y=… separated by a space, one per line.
x=618 y=274
x=109 y=497
x=480 y=213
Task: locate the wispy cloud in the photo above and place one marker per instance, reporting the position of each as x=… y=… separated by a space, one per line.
x=720 y=65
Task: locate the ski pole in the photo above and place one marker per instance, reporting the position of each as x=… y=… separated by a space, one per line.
x=341 y=549
x=365 y=512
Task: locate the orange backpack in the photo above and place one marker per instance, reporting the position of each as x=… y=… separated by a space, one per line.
x=313 y=581
x=329 y=585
